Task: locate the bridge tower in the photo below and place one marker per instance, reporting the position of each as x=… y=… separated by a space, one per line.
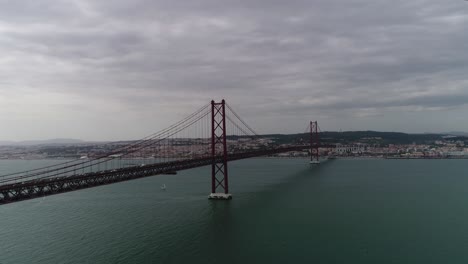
x=314 y=143
x=219 y=168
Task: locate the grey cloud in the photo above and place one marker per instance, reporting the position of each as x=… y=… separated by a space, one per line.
x=274 y=60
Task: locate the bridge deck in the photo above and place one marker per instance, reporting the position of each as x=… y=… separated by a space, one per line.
x=43 y=187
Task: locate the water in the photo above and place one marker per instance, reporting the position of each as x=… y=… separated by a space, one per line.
x=283 y=210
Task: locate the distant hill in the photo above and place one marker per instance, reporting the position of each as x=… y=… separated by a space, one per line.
x=369 y=137
x=56 y=141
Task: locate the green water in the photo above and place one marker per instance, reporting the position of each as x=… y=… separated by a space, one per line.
x=283 y=211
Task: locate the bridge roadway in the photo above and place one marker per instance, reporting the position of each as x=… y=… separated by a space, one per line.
x=48 y=186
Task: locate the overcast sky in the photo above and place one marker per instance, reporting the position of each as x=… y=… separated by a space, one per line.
x=109 y=70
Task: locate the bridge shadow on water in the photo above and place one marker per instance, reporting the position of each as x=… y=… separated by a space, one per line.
x=222 y=231
x=235 y=224
x=270 y=193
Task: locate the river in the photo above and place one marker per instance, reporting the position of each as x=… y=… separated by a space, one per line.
x=283 y=211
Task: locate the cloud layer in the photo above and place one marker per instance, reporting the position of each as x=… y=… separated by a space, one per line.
x=100 y=69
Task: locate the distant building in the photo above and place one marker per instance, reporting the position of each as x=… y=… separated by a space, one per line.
x=351 y=149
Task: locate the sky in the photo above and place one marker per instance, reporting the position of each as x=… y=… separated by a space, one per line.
x=113 y=70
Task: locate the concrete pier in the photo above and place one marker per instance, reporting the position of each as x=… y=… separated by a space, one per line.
x=220 y=196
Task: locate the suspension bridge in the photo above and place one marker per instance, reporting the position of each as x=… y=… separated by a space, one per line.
x=213 y=135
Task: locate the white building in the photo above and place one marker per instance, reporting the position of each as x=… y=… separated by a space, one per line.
x=355 y=148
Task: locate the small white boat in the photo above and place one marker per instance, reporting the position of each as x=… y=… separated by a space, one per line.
x=163 y=187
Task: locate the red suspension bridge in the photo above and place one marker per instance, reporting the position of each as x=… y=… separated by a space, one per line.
x=212 y=135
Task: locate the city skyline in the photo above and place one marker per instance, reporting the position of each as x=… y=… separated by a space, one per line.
x=101 y=71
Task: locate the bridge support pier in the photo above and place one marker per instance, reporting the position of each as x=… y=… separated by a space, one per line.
x=314 y=143
x=219 y=169
x=220 y=196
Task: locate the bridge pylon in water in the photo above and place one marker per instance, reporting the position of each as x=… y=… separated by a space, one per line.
x=314 y=143
x=219 y=168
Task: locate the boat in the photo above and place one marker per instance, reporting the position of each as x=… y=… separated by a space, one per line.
x=163 y=187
